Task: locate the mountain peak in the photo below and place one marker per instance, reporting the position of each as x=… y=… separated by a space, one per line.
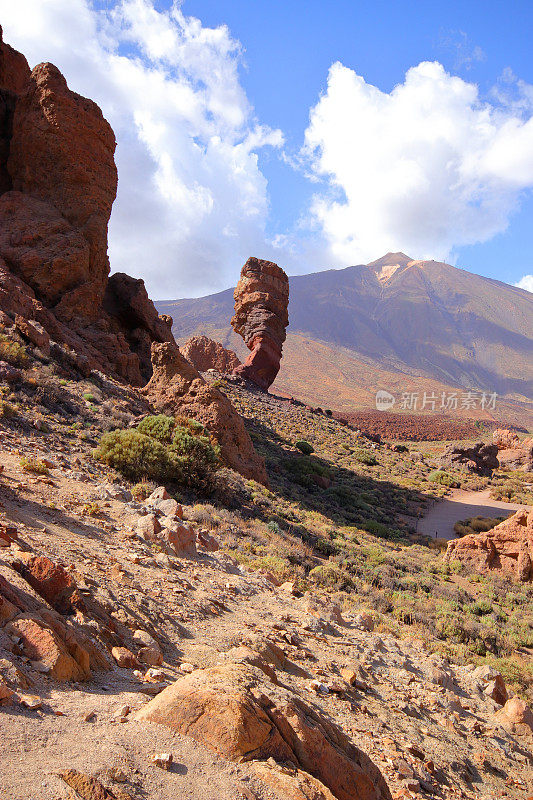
x=387 y=265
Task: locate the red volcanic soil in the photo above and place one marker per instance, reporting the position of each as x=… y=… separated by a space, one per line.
x=417 y=427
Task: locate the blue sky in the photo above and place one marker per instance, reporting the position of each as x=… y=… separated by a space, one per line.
x=314 y=134
x=290 y=45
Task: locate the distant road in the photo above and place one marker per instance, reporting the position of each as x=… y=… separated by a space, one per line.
x=440 y=519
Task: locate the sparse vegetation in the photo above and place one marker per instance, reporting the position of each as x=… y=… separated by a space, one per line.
x=161 y=449
x=30 y=464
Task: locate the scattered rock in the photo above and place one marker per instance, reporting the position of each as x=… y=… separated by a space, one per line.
x=124 y=657
x=163 y=760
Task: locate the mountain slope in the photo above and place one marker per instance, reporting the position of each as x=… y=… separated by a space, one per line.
x=392 y=323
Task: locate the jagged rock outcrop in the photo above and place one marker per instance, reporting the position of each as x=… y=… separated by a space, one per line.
x=261 y=318
x=62 y=152
x=512 y=453
x=176 y=387
x=204 y=353
x=134 y=315
x=234 y=711
x=480 y=458
x=507 y=548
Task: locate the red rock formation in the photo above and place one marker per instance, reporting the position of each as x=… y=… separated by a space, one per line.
x=58 y=181
x=14 y=69
x=204 y=353
x=62 y=152
x=507 y=548
x=261 y=317
x=177 y=388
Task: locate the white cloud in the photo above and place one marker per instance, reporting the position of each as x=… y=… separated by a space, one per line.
x=526 y=282
x=425 y=168
x=192 y=201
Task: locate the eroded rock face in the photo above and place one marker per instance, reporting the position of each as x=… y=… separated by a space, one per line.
x=177 y=388
x=261 y=317
x=512 y=453
x=134 y=315
x=62 y=152
x=204 y=353
x=234 y=711
x=507 y=548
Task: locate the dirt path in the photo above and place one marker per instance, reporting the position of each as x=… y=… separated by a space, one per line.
x=440 y=519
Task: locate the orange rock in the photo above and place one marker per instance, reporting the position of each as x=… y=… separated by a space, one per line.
x=124 y=657
x=516 y=712
x=62 y=152
x=291 y=784
x=229 y=709
x=177 y=388
x=41 y=643
x=204 y=353
x=14 y=69
x=507 y=548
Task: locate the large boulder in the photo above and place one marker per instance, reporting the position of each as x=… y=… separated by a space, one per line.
x=177 y=388
x=205 y=353
x=62 y=152
x=232 y=710
x=507 y=548
x=261 y=318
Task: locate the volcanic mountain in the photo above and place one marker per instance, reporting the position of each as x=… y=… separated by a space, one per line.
x=396 y=324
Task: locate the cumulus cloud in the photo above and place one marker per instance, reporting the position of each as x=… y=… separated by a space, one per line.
x=425 y=168
x=526 y=283
x=192 y=201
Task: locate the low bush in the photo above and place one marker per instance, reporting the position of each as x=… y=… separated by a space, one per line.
x=34 y=465
x=137 y=456
x=365 y=458
x=161 y=449
x=304 y=447
x=13 y=352
x=477 y=525
x=441 y=477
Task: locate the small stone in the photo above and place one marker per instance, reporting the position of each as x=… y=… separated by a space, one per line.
x=124 y=657
x=186 y=667
x=162 y=760
x=30 y=701
x=151 y=656
x=158 y=494
x=364 y=621
x=90 y=717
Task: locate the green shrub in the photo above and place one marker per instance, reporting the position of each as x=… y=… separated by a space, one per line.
x=13 y=352
x=89 y=397
x=305 y=447
x=365 y=458
x=158 y=427
x=477 y=525
x=137 y=456
x=197 y=456
x=439 y=476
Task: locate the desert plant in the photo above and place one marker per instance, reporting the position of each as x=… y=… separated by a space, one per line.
x=441 y=477
x=365 y=458
x=137 y=456
x=304 y=447
x=34 y=465
x=160 y=427
x=13 y=352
